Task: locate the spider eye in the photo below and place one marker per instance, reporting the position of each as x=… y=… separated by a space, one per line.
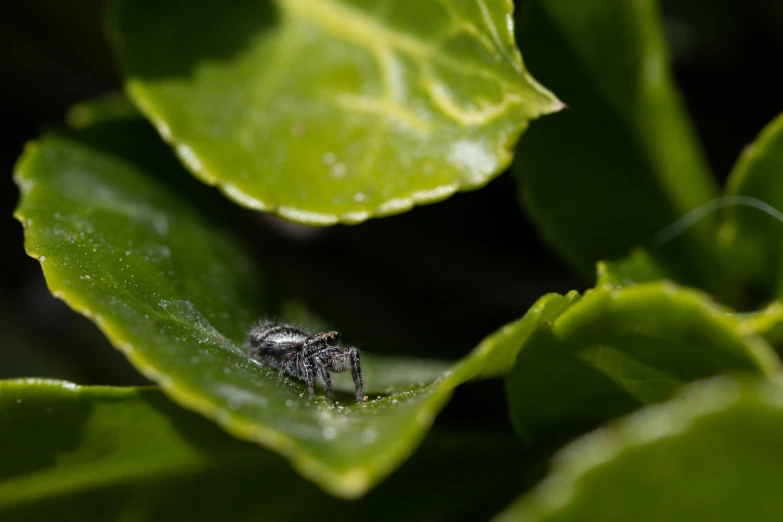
x=332 y=338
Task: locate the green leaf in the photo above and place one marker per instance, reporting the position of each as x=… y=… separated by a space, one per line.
x=767 y=322
x=336 y=110
x=176 y=294
x=749 y=235
x=501 y=348
x=639 y=267
x=616 y=350
x=754 y=236
x=100 y=453
x=622 y=162
x=114 y=107
x=711 y=454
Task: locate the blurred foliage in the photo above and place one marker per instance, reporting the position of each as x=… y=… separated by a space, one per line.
x=711 y=453
x=426 y=285
x=618 y=350
x=622 y=161
x=116 y=444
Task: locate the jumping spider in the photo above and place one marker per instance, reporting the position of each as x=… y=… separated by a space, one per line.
x=304 y=356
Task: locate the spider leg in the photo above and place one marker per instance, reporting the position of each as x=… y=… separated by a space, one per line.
x=324 y=373
x=356 y=371
x=307 y=372
x=283 y=363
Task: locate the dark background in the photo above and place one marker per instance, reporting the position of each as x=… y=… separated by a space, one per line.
x=445 y=275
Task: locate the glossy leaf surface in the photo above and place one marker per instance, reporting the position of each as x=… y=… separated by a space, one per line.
x=336 y=110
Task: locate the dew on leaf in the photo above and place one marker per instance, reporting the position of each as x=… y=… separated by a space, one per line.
x=329 y=158
x=339 y=170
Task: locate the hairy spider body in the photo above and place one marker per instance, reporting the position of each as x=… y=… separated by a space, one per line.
x=298 y=354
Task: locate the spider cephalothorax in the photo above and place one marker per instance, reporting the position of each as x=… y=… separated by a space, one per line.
x=304 y=356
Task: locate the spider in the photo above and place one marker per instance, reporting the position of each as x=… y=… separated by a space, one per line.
x=304 y=356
